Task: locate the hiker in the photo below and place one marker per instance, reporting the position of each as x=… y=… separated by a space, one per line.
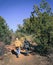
x=26 y=46
x=17 y=44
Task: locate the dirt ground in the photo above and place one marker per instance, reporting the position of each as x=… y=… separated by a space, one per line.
x=10 y=59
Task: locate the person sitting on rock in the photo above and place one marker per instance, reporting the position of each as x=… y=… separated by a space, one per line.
x=26 y=46
x=17 y=44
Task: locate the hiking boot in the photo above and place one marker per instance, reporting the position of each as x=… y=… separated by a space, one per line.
x=17 y=56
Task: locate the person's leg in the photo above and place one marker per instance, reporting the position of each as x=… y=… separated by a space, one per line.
x=27 y=53
x=17 y=55
x=18 y=51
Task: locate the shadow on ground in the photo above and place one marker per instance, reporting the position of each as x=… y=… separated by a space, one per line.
x=13 y=52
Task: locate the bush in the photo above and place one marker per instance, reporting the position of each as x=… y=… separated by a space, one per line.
x=2 y=48
x=42 y=49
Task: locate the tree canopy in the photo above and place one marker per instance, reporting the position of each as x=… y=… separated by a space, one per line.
x=5 y=34
x=40 y=25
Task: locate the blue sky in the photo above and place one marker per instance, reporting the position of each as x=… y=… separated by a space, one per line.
x=14 y=11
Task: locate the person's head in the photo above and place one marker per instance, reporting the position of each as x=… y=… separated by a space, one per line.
x=16 y=38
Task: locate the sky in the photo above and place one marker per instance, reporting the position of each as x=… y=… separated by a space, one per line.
x=14 y=11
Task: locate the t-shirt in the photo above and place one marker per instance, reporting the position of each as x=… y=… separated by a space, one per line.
x=17 y=43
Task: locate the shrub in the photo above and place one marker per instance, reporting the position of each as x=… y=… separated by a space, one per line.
x=2 y=49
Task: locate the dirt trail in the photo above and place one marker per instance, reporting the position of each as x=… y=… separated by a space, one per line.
x=11 y=59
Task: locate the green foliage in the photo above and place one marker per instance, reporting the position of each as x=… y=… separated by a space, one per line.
x=42 y=49
x=40 y=25
x=45 y=6
x=44 y=28
x=2 y=47
x=5 y=34
x=19 y=34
